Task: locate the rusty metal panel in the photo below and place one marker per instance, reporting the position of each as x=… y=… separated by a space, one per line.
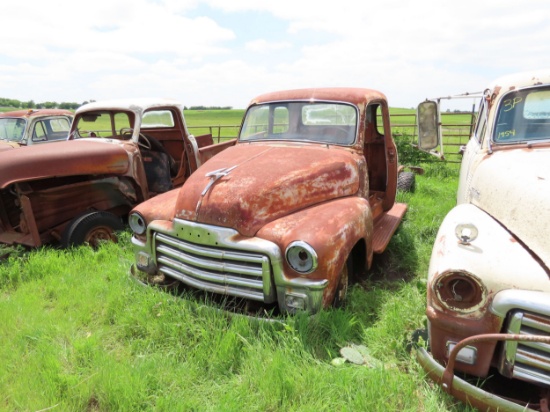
x=268 y=182
x=62 y=159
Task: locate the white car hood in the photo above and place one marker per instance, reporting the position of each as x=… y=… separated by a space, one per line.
x=513 y=186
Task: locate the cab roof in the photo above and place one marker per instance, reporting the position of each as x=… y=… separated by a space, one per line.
x=356 y=96
x=28 y=113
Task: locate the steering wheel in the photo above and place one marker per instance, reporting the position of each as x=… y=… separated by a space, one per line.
x=126 y=132
x=144 y=142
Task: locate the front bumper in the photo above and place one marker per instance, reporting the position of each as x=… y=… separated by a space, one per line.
x=219 y=260
x=464 y=391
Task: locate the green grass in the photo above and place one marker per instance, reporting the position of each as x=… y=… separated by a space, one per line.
x=78 y=334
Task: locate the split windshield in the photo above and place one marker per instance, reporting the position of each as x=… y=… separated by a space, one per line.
x=523 y=116
x=334 y=123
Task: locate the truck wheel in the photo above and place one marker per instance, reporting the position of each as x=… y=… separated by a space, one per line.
x=343 y=284
x=91 y=228
x=406 y=181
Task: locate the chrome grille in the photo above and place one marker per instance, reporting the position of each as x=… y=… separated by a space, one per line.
x=215 y=268
x=527 y=360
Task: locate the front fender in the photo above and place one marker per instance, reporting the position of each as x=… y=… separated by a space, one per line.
x=332 y=229
x=496 y=256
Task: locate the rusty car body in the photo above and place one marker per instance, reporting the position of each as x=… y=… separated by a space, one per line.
x=33 y=126
x=117 y=154
x=286 y=217
x=488 y=294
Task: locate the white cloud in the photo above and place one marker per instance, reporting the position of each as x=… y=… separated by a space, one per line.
x=263 y=46
x=199 y=51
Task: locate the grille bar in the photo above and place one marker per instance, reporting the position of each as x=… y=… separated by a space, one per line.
x=528 y=361
x=215 y=268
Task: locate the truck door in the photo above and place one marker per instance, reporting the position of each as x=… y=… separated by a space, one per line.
x=473 y=154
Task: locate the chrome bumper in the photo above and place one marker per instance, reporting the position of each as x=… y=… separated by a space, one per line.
x=220 y=260
x=464 y=391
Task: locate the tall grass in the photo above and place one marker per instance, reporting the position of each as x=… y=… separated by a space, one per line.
x=78 y=333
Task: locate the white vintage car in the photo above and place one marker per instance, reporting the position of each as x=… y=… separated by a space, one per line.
x=488 y=296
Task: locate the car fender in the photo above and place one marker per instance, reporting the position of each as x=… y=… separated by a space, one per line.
x=332 y=229
x=495 y=257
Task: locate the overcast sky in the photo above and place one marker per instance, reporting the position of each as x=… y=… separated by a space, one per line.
x=224 y=52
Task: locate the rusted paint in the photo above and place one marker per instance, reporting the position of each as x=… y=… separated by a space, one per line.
x=308 y=187
x=62 y=159
x=356 y=96
x=503 y=196
x=251 y=195
x=42 y=188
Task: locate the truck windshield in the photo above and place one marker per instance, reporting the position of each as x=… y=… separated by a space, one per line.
x=12 y=129
x=523 y=116
x=334 y=123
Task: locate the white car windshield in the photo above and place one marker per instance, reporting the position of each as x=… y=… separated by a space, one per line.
x=523 y=116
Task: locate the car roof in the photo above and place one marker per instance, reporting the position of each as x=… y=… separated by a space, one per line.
x=28 y=113
x=522 y=79
x=137 y=105
x=353 y=95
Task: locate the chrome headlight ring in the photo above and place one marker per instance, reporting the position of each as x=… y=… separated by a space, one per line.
x=137 y=223
x=301 y=257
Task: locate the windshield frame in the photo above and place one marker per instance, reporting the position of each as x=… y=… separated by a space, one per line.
x=315 y=129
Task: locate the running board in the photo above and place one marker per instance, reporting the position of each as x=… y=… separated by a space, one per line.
x=386 y=225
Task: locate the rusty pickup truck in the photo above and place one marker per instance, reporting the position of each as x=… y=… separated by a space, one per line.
x=488 y=293
x=289 y=215
x=20 y=128
x=117 y=154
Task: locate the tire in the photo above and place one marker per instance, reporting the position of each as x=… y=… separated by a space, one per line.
x=406 y=181
x=344 y=279
x=91 y=228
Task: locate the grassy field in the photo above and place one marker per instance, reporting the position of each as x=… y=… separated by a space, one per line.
x=79 y=334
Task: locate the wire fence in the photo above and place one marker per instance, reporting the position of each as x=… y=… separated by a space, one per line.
x=456 y=130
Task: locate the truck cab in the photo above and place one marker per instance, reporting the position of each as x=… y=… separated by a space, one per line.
x=115 y=155
x=20 y=128
x=488 y=297
x=290 y=214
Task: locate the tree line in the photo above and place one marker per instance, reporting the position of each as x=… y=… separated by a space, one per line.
x=31 y=104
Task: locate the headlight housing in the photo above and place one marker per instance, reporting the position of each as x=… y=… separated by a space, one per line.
x=459 y=291
x=137 y=223
x=301 y=257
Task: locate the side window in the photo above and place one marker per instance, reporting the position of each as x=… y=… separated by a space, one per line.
x=379 y=120
x=152 y=119
x=374 y=127
x=481 y=123
x=39 y=132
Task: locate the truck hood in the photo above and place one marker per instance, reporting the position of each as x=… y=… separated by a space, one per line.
x=513 y=186
x=265 y=182
x=5 y=145
x=66 y=158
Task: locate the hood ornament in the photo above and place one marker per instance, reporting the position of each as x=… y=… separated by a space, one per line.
x=216 y=175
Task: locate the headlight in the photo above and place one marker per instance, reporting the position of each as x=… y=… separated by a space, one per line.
x=459 y=291
x=137 y=223
x=301 y=257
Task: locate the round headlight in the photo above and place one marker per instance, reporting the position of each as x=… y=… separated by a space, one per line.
x=301 y=257
x=137 y=223
x=459 y=291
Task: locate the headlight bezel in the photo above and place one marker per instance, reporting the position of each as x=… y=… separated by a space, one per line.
x=137 y=223
x=301 y=257
x=459 y=291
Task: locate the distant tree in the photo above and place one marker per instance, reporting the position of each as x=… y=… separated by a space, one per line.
x=28 y=105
